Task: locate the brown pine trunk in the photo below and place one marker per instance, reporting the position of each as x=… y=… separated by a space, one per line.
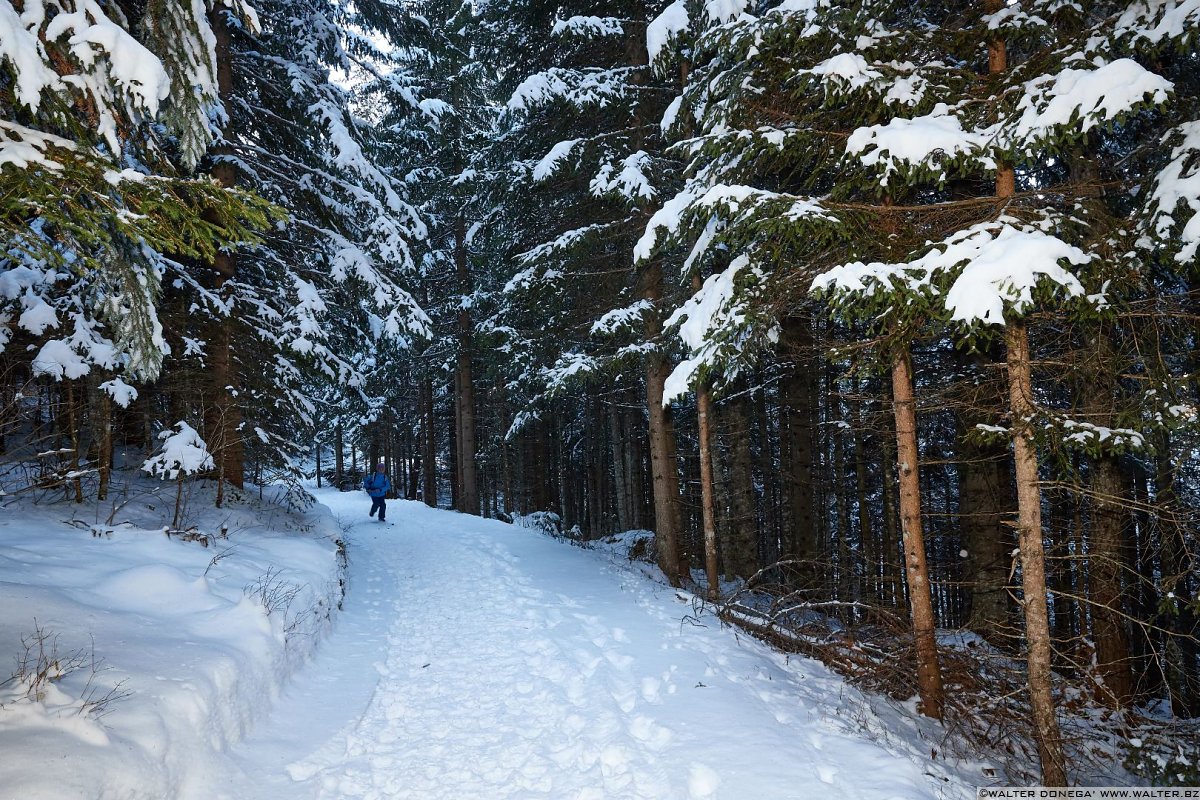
x=317 y=448
x=985 y=499
x=339 y=458
x=707 y=505
x=73 y=435
x=869 y=583
x=662 y=440
x=224 y=418
x=841 y=497
x=468 y=495
x=798 y=391
x=774 y=530
x=1109 y=518
x=1104 y=567
x=1182 y=657
x=1029 y=503
x=739 y=530
x=104 y=447
x=1033 y=568
x=916 y=570
x=626 y=467
x=428 y=445
x=708 y=513
x=893 y=591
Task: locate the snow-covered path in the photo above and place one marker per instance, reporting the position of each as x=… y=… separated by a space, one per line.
x=479 y=660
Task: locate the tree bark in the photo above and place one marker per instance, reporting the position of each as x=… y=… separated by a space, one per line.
x=1033 y=567
x=1029 y=501
x=662 y=439
x=317 y=448
x=985 y=498
x=104 y=449
x=797 y=458
x=339 y=457
x=707 y=505
x=1182 y=658
x=739 y=529
x=1106 y=542
x=428 y=445
x=1104 y=567
x=73 y=436
x=891 y=549
x=224 y=418
x=622 y=469
x=916 y=570
x=468 y=495
x=866 y=530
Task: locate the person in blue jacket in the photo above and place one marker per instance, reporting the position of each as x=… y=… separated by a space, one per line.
x=378 y=485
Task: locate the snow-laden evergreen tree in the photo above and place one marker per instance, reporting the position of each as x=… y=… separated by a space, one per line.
x=327 y=286
x=584 y=139
x=935 y=169
x=95 y=150
x=432 y=95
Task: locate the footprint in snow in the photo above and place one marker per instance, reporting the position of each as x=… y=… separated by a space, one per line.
x=653 y=735
x=625 y=696
x=703 y=782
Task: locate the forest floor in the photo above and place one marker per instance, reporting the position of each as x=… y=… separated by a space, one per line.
x=477 y=659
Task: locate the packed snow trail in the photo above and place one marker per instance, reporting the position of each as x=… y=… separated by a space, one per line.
x=476 y=660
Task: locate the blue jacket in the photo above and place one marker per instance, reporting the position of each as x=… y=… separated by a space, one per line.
x=377 y=484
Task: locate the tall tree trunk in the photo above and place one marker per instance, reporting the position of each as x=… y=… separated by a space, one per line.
x=1029 y=502
x=841 y=496
x=707 y=505
x=225 y=417
x=317 y=448
x=622 y=469
x=798 y=399
x=339 y=457
x=428 y=445
x=866 y=530
x=73 y=435
x=468 y=496
x=772 y=535
x=1106 y=542
x=708 y=512
x=662 y=438
x=104 y=449
x=891 y=548
x=916 y=570
x=739 y=530
x=985 y=499
x=1033 y=566
x=453 y=448
x=1104 y=567
x=1182 y=657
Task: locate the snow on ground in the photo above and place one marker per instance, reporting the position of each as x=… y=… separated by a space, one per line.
x=473 y=659
x=190 y=643
x=476 y=659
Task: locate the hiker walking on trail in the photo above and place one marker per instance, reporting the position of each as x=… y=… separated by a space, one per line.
x=378 y=485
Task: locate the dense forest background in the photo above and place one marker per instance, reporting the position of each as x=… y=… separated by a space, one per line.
x=881 y=315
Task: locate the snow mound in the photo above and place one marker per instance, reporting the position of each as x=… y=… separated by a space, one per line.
x=131 y=659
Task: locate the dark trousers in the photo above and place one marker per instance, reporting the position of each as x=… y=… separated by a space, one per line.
x=377 y=504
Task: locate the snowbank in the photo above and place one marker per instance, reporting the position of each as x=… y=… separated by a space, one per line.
x=136 y=657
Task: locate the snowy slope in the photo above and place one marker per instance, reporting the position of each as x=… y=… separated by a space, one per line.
x=195 y=640
x=476 y=659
